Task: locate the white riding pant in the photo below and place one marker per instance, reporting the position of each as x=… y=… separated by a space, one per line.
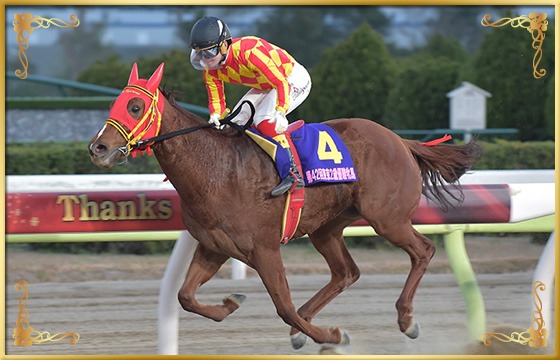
x=265 y=101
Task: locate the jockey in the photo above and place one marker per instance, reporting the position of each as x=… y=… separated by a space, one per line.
x=278 y=83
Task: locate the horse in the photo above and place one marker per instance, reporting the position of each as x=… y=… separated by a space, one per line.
x=224 y=179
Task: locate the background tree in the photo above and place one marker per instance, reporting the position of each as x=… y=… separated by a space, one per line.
x=462 y=23
x=178 y=75
x=352 y=79
x=445 y=46
x=82 y=46
x=418 y=99
x=112 y=73
x=550 y=121
x=503 y=66
x=306 y=31
x=184 y=27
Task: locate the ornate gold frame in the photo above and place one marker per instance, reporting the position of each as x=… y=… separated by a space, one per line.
x=25 y=335
x=534 y=337
x=23 y=25
x=536 y=24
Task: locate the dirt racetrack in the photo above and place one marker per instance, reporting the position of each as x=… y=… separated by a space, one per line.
x=120 y=317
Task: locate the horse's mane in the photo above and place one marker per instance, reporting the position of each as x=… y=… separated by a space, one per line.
x=169 y=95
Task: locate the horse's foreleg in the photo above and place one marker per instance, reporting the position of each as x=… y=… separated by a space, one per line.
x=269 y=265
x=421 y=250
x=344 y=272
x=204 y=265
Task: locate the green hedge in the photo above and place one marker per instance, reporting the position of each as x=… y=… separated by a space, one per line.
x=516 y=155
x=67 y=158
x=72 y=158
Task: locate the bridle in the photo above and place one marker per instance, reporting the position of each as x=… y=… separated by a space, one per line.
x=153 y=115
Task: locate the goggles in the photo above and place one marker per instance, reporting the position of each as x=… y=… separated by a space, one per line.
x=200 y=58
x=209 y=53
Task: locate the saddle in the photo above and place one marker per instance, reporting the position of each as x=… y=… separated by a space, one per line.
x=320 y=156
x=295 y=197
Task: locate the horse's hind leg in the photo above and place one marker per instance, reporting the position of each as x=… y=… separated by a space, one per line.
x=268 y=263
x=204 y=265
x=421 y=250
x=329 y=242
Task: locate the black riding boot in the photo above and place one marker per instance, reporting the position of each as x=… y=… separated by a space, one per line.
x=289 y=180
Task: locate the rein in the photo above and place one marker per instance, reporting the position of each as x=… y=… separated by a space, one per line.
x=225 y=121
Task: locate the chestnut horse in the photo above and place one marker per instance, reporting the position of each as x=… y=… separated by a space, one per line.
x=224 y=181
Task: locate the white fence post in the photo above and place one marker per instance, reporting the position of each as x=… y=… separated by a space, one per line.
x=238 y=269
x=168 y=304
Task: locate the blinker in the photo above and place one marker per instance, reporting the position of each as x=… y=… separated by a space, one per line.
x=132 y=129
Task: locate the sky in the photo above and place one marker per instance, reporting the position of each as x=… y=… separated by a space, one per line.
x=134 y=25
x=133 y=31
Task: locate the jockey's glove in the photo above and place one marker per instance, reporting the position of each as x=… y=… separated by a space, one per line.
x=280 y=121
x=215 y=120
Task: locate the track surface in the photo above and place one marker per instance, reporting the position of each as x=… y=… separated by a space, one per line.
x=120 y=317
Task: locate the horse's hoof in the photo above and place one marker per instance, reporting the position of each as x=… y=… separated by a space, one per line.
x=344 y=337
x=413 y=330
x=341 y=348
x=298 y=340
x=236 y=298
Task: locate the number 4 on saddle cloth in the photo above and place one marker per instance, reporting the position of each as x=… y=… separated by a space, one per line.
x=321 y=157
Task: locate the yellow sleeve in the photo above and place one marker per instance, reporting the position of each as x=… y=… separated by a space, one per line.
x=216 y=95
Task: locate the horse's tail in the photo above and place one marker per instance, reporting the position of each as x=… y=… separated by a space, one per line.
x=443 y=162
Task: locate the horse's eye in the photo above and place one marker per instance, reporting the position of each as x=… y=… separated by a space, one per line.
x=135 y=108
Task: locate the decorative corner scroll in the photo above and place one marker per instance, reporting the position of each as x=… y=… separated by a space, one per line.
x=534 y=337
x=25 y=335
x=23 y=26
x=536 y=24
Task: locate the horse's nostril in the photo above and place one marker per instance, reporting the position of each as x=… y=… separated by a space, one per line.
x=97 y=149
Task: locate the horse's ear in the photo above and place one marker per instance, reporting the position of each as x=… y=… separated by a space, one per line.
x=155 y=79
x=133 y=74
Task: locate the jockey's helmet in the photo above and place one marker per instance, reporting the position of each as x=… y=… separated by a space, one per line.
x=209 y=37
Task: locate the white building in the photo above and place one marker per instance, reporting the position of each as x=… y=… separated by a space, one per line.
x=467 y=107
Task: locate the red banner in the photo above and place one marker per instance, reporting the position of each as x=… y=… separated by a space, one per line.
x=93 y=211
x=161 y=210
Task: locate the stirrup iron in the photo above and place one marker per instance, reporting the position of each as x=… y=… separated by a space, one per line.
x=293 y=178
